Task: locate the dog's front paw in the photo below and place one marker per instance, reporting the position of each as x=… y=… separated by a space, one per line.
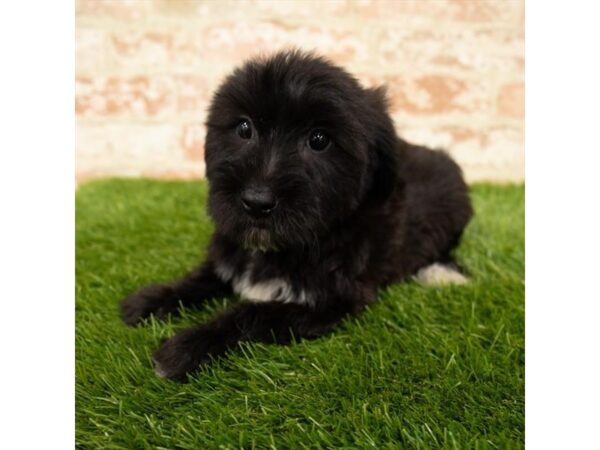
x=156 y=299
x=186 y=352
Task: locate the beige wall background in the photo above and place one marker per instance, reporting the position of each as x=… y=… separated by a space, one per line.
x=146 y=69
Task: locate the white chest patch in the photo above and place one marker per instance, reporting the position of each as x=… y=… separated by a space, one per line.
x=274 y=289
x=224 y=272
x=269 y=290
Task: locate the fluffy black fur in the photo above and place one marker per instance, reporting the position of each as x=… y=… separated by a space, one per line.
x=369 y=210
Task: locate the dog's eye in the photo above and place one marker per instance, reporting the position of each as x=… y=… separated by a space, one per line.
x=318 y=140
x=244 y=129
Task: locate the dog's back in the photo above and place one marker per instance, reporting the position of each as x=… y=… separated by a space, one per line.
x=436 y=206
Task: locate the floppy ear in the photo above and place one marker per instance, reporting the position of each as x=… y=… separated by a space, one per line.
x=385 y=145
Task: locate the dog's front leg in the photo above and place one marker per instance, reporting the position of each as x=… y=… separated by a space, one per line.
x=271 y=322
x=162 y=299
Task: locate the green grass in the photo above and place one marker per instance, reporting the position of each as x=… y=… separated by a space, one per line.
x=422 y=368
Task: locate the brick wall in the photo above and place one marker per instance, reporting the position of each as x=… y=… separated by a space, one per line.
x=145 y=70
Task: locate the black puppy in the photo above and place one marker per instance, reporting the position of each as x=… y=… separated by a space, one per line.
x=317 y=204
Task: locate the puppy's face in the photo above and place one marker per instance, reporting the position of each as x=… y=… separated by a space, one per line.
x=291 y=150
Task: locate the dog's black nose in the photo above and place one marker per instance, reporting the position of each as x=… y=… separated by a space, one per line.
x=258 y=202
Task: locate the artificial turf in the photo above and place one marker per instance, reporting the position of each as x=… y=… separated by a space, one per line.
x=422 y=368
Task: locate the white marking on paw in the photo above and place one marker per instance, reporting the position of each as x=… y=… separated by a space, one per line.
x=438 y=274
x=159 y=371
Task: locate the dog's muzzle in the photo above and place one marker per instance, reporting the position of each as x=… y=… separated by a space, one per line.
x=258 y=202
